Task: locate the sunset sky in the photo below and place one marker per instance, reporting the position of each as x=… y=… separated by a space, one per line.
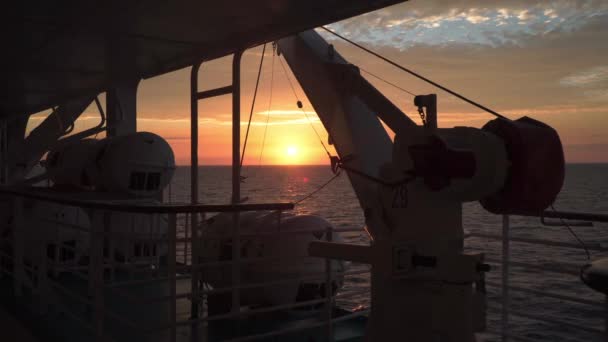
x=544 y=59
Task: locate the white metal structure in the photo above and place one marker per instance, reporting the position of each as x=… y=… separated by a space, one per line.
x=399 y=216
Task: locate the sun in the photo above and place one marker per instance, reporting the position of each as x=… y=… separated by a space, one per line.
x=291 y=151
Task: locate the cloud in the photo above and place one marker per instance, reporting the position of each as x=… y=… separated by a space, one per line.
x=214 y=121
x=600 y=95
x=526 y=73
x=591 y=82
x=490 y=22
x=588 y=77
x=282 y=113
x=476 y=19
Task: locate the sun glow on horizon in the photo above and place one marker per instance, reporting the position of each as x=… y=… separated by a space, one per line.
x=292 y=151
x=292 y=155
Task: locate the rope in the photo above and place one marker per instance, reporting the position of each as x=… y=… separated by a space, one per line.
x=318 y=189
x=101 y=112
x=416 y=74
x=377 y=180
x=387 y=82
x=293 y=89
x=255 y=93
x=336 y=163
x=269 y=106
x=583 y=245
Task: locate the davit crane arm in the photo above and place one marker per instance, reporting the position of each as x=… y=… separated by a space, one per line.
x=411 y=192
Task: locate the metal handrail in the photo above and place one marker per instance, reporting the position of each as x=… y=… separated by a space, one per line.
x=570 y=215
x=299 y=328
x=157 y=208
x=552 y=321
x=173 y=209
x=509 y=336
x=569 y=268
x=154 y=237
x=593 y=247
x=235 y=315
x=505 y=261
x=245 y=286
x=550 y=295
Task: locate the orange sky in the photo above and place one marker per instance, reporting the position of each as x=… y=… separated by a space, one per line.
x=534 y=58
x=166 y=112
x=289 y=137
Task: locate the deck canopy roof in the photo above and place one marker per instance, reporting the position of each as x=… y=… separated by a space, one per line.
x=57 y=50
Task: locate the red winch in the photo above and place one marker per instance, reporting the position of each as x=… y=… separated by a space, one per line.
x=536 y=173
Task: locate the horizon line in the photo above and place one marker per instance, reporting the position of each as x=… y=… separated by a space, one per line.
x=223 y=165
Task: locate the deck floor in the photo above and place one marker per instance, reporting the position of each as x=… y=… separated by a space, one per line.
x=12 y=329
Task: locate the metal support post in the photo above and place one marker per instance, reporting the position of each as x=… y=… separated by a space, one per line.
x=196 y=233
x=18 y=248
x=121 y=95
x=171 y=270
x=121 y=109
x=194 y=305
x=96 y=270
x=3 y=153
x=328 y=290
x=186 y=237
x=505 y=277
x=43 y=284
x=236 y=178
x=606 y=319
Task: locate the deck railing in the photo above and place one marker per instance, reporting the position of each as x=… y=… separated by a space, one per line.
x=109 y=281
x=503 y=304
x=94 y=308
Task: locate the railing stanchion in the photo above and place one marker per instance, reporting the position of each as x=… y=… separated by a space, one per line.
x=236 y=182
x=43 y=284
x=3 y=153
x=108 y=231
x=195 y=281
x=186 y=235
x=328 y=290
x=56 y=260
x=606 y=320
x=505 y=277
x=18 y=237
x=194 y=304
x=171 y=270
x=96 y=270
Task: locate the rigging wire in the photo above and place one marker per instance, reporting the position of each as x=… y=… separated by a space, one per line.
x=318 y=189
x=387 y=82
x=269 y=105
x=101 y=112
x=255 y=93
x=293 y=89
x=583 y=245
x=299 y=102
x=337 y=164
x=478 y=105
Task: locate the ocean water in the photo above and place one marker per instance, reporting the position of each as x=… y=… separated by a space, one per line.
x=585 y=190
